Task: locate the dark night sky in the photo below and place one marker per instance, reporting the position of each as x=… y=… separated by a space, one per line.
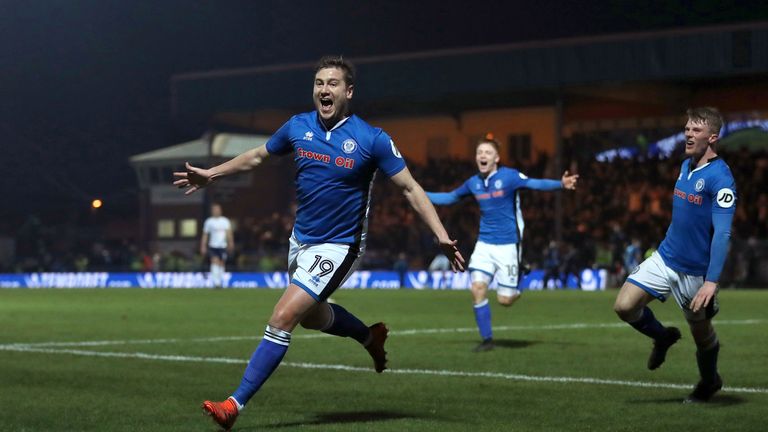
x=85 y=84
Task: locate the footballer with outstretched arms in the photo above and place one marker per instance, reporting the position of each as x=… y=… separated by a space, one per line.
x=497 y=252
x=336 y=155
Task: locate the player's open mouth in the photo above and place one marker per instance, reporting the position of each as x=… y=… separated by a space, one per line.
x=483 y=164
x=326 y=104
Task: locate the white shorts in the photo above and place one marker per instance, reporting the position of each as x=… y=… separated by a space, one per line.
x=499 y=261
x=319 y=269
x=658 y=280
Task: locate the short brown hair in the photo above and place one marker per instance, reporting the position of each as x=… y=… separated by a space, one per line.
x=709 y=116
x=338 y=62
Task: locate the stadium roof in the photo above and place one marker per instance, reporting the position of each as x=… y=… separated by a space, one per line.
x=517 y=74
x=223 y=145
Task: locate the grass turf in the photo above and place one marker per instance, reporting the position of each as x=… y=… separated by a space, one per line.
x=552 y=346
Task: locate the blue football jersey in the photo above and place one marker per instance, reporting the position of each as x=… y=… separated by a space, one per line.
x=698 y=194
x=501 y=221
x=334 y=174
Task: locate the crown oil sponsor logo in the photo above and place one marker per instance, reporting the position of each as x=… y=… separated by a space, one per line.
x=339 y=161
x=691 y=198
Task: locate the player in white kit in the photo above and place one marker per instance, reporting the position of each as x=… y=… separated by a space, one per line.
x=217 y=243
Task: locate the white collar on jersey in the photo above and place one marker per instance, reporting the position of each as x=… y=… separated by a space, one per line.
x=337 y=125
x=488 y=178
x=692 y=170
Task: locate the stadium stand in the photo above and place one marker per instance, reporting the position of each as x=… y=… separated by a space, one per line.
x=618 y=200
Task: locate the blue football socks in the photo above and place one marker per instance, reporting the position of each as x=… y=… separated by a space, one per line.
x=264 y=361
x=649 y=325
x=483 y=319
x=345 y=324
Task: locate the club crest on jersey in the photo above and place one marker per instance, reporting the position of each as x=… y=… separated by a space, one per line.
x=497 y=184
x=349 y=146
x=308 y=136
x=394 y=149
x=699 y=185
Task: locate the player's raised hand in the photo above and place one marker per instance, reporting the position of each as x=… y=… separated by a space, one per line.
x=192 y=179
x=452 y=252
x=704 y=296
x=569 y=181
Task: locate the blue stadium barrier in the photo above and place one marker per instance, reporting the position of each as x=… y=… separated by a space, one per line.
x=590 y=280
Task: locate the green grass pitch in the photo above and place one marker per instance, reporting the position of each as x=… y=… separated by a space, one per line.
x=143 y=360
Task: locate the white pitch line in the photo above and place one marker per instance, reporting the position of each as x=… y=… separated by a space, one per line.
x=337 y=367
x=409 y=332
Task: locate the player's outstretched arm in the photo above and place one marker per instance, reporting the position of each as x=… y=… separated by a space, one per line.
x=443 y=198
x=195 y=178
x=417 y=198
x=568 y=182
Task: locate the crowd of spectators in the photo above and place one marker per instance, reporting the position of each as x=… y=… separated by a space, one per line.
x=618 y=215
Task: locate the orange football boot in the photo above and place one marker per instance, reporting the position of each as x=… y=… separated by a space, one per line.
x=223 y=413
